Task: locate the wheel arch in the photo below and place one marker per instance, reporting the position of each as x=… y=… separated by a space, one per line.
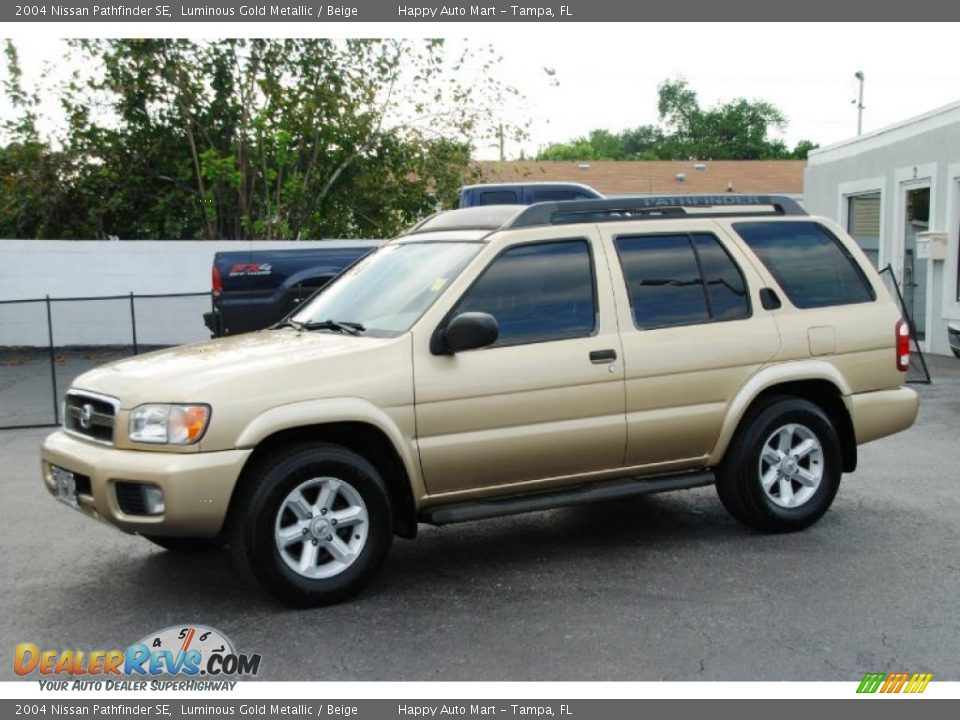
x=365 y=430
x=816 y=382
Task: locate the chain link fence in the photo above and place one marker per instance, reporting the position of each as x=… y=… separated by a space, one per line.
x=47 y=342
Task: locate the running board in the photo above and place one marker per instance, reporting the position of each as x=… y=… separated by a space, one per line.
x=579 y=495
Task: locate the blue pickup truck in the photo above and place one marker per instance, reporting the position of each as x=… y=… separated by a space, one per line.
x=253 y=289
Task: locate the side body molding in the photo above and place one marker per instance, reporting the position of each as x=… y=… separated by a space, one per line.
x=765 y=378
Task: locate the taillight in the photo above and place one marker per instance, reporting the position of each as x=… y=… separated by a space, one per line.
x=217 y=281
x=902 y=332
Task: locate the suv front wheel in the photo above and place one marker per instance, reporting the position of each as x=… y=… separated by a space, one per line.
x=782 y=469
x=315 y=524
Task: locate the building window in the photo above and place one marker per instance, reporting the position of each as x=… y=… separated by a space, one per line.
x=863 y=224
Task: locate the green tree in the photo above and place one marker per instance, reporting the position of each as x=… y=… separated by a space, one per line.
x=735 y=130
x=273 y=138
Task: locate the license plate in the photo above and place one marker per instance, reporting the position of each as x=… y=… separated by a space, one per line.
x=65 y=485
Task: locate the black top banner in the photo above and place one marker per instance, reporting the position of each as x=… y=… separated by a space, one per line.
x=411 y=11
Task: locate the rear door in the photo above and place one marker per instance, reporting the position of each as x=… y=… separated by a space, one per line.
x=546 y=402
x=693 y=332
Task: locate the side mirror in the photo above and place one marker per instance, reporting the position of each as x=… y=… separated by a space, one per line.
x=467 y=331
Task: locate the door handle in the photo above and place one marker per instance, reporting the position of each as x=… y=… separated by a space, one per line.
x=599 y=357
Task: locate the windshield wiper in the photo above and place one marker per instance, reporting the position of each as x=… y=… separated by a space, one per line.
x=351 y=328
x=295 y=324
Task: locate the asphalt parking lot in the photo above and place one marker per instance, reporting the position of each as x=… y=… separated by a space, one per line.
x=662 y=587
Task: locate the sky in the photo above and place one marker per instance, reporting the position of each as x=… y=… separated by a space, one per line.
x=608 y=73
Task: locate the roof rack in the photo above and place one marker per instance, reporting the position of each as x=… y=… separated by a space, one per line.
x=655 y=207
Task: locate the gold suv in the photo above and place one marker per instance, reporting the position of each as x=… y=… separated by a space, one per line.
x=498 y=360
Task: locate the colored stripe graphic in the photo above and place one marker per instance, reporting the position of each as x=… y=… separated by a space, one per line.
x=918 y=683
x=871 y=682
x=894 y=682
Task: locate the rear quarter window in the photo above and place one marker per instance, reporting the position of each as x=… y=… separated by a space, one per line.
x=811 y=265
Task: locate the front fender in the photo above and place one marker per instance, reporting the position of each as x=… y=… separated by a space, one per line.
x=395 y=423
x=764 y=379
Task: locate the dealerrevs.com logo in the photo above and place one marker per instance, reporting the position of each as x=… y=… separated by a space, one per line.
x=183 y=651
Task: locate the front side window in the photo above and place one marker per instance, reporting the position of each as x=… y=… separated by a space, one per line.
x=388 y=291
x=537 y=293
x=681 y=279
x=810 y=264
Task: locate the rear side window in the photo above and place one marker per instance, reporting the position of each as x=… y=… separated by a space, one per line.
x=545 y=195
x=810 y=264
x=726 y=289
x=681 y=280
x=537 y=293
x=498 y=197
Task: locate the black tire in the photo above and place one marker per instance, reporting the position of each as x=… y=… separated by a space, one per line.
x=265 y=490
x=739 y=479
x=185 y=545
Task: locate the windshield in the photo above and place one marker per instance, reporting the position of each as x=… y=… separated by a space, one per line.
x=388 y=291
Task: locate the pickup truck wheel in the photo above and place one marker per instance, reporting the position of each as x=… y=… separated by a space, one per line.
x=782 y=469
x=316 y=524
x=185 y=544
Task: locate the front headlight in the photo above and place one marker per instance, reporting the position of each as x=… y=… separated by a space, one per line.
x=168 y=424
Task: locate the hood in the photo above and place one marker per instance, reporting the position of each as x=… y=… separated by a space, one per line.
x=192 y=373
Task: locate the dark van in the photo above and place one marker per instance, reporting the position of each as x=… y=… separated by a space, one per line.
x=523 y=193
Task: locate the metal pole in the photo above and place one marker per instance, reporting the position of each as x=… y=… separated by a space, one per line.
x=859 y=76
x=53 y=365
x=133 y=325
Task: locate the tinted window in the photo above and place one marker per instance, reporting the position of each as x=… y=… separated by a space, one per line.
x=537 y=292
x=498 y=197
x=811 y=265
x=663 y=280
x=726 y=289
x=681 y=280
x=544 y=195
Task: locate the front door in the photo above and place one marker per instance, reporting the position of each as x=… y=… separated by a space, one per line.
x=546 y=401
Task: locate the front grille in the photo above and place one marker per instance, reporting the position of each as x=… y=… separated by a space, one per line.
x=90 y=416
x=130 y=498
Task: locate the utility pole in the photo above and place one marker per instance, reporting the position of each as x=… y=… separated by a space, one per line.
x=859 y=101
x=503 y=155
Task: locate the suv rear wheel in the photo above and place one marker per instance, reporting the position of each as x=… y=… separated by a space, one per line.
x=783 y=467
x=316 y=524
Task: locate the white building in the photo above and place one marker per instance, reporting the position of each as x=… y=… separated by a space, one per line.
x=897 y=191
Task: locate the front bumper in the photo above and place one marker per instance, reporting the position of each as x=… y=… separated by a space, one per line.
x=196 y=486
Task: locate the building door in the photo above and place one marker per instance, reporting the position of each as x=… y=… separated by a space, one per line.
x=917 y=220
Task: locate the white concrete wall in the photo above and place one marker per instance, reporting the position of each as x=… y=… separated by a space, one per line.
x=84 y=268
